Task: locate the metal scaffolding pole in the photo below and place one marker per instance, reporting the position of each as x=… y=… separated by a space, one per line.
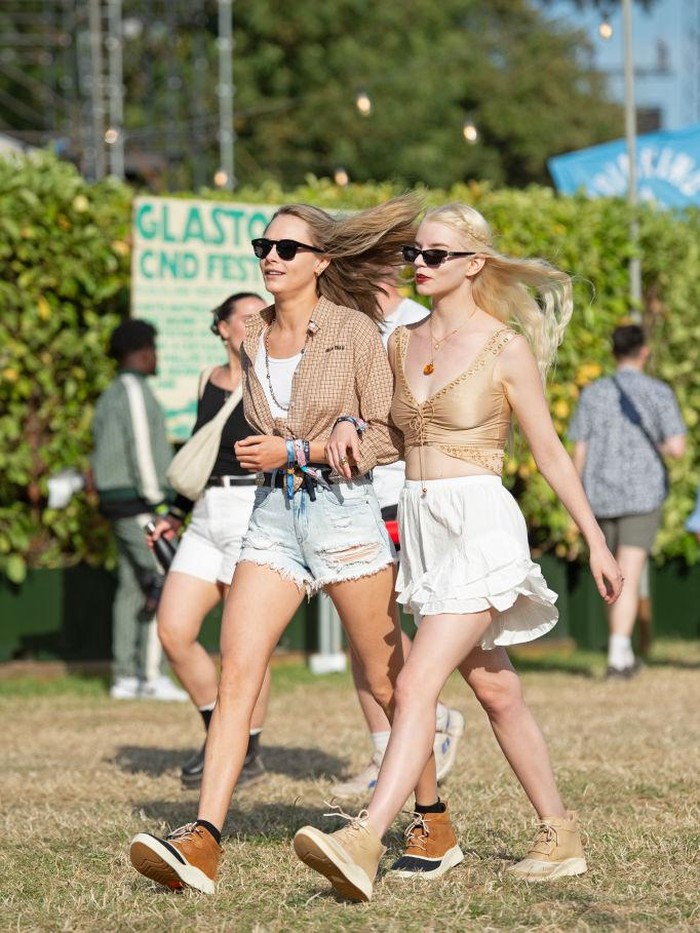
x=225 y=93
x=115 y=87
x=635 y=269
x=97 y=122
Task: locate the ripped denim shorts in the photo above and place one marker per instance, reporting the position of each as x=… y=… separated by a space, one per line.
x=340 y=536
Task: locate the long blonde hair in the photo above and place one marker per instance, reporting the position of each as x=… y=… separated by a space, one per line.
x=503 y=286
x=362 y=246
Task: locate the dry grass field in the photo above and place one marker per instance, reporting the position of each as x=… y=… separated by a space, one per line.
x=80 y=774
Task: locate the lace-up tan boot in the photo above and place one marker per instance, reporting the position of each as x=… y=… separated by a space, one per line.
x=188 y=856
x=431 y=847
x=555 y=853
x=349 y=857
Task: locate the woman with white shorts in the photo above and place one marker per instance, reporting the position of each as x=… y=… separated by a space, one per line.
x=202 y=569
x=466 y=572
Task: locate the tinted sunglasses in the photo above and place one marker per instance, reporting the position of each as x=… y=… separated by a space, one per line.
x=286 y=249
x=431 y=257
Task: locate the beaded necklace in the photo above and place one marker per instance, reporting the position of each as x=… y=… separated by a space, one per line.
x=267 y=364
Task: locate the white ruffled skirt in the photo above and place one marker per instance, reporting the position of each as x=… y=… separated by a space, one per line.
x=464 y=549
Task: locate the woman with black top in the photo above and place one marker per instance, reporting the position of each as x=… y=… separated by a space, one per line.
x=202 y=569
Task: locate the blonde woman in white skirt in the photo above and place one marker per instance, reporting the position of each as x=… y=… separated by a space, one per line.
x=466 y=572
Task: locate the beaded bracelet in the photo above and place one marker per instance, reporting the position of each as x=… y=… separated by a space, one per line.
x=291 y=460
x=300 y=451
x=359 y=425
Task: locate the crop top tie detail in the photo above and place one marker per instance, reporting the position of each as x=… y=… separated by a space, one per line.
x=468 y=418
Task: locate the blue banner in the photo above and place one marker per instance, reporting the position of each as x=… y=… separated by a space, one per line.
x=668 y=168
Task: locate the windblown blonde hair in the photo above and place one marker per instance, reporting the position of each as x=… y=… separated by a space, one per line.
x=363 y=247
x=505 y=284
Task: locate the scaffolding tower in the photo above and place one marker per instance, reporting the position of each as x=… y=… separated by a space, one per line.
x=62 y=84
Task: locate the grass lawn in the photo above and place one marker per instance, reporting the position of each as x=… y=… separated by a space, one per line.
x=80 y=774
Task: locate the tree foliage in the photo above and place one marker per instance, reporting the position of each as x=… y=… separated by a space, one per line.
x=64 y=262
x=426 y=67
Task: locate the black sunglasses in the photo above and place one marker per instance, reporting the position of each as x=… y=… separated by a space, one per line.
x=286 y=249
x=431 y=257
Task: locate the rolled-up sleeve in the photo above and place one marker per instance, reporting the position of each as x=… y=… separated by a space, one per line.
x=374 y=381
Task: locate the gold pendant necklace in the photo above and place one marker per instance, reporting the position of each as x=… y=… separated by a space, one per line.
x=435 y=345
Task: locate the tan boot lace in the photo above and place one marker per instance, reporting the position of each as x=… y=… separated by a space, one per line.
x=546 y=840
x=354 y=823
x=417 y=832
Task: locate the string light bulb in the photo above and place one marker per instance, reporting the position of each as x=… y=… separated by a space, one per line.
x=469 y=131
x=363 y=102
x=605 y=30
x=341 y=177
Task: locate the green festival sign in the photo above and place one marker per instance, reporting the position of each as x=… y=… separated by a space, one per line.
x=188 y=256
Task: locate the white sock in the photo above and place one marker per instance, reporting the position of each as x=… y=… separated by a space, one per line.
x=207 y=707
x=380 y=740
x=255 y=731
x=442 y=717
x=620 y=652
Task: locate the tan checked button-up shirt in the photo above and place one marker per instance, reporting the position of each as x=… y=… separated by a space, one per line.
x=344 y=371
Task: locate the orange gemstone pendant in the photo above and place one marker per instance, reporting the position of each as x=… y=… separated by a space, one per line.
x=428 y=369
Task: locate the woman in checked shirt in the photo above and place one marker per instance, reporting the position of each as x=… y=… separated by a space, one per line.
x=314 y=357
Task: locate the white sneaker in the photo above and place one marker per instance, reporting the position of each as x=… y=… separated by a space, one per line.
x=162 y=688
x=124 y=688
x=445 y=744
x=363 y=783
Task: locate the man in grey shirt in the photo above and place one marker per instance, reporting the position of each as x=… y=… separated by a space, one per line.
x=624 y=426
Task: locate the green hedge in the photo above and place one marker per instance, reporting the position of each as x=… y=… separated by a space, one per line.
x=64 y=281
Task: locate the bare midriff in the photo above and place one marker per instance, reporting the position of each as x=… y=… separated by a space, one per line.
x=437 y=465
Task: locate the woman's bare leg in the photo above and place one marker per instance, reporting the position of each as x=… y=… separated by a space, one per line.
x=497 y=687
x=367 y=608
x=184 y=603
x=368 y=612
x=374 y=715
x=258 y=608
x=441 y=644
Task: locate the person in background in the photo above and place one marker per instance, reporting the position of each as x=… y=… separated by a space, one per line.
x=129 y=462
x=466 y=572
x=623 y=427
x=200 y=575
x=388 y=481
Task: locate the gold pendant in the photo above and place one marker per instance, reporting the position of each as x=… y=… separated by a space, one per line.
x=428 y=369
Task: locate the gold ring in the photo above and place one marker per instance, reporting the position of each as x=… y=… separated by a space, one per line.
x=342 y=460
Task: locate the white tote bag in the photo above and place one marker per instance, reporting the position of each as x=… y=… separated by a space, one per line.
x=191 y=466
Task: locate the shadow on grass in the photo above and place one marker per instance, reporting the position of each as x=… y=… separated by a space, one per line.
x=304 y=763
x=683 y=664
x=273 y=822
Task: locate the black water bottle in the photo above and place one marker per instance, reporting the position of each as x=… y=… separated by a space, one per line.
x=164 y=548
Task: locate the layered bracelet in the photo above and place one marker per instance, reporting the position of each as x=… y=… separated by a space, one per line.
x=359 y=425
x=298 y=455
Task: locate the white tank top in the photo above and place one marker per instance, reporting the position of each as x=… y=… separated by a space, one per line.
x=281 y=373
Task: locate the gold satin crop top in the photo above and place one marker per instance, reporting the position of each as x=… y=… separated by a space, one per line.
x=468 y=418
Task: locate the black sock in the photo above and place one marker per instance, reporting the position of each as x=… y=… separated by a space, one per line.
x=437 y=807
x=210 y=828
x=253 y=744
x=206 y=716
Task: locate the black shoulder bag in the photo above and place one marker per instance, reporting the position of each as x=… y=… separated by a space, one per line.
x=631 y=412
